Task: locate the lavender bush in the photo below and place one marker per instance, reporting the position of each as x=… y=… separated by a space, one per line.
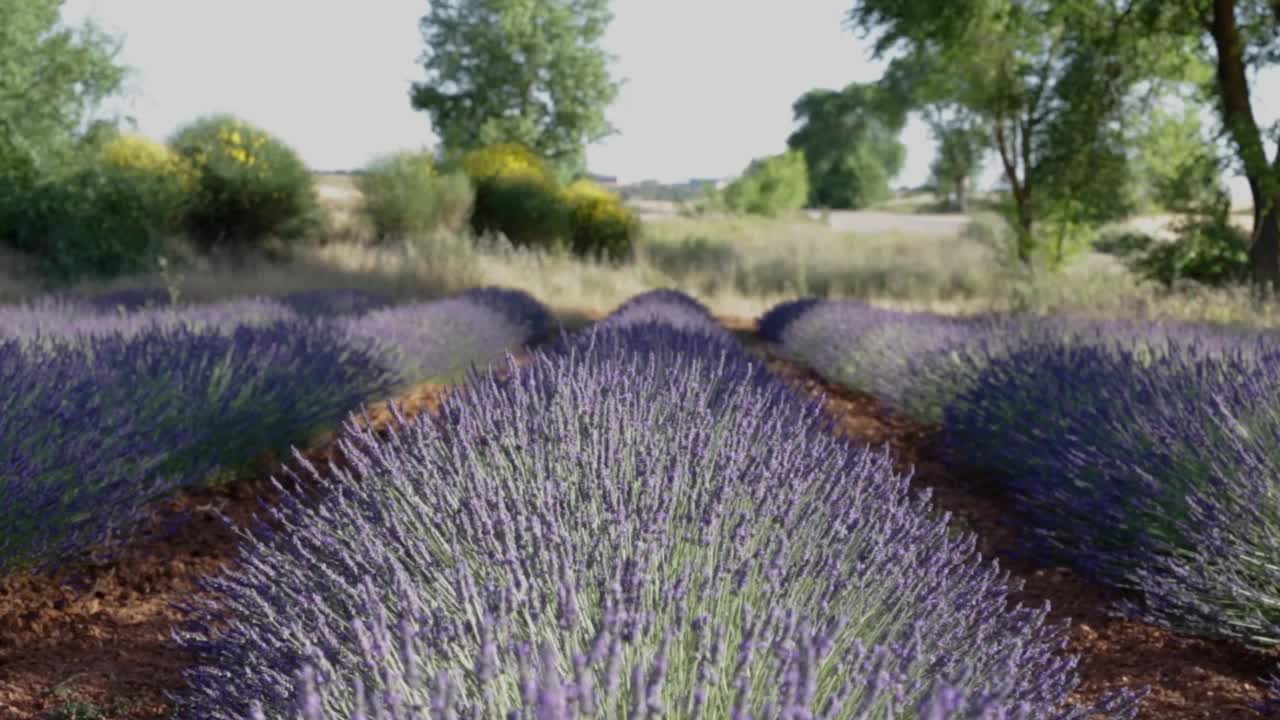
x=331 y=302
x=517 y=307
x=93 y=427
x=429 y=340
x=103 y=411
x=918 y=363
x=1144 y=455
x=1152 y=471
x=131 y=299
x=639 y=522
x=911 y=361
x=67 y=450
x=667 y=307
x=41 y=320
x=774 y=323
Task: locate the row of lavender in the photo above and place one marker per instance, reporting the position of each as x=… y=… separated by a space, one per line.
x=103 y=407
x=640 y=522
x=1145 y=455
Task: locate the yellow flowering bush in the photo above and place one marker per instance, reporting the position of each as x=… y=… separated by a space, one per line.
x=249 y=185
x=164 y=181
x=107 y=213
x=516 y=195
x=601 y=225
x=404 y=195
x=508 y=161
x=136 y=154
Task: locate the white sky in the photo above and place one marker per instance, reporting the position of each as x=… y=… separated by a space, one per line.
x=708 y=83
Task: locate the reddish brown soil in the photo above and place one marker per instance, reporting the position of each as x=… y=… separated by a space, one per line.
x=99 y=633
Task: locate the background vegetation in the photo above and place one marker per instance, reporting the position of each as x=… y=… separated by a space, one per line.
x=1106 y=206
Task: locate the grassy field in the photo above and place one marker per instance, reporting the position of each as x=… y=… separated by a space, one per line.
x=737 y=266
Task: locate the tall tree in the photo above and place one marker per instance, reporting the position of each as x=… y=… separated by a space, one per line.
x=527 y=71
x=962 y=142
x=52 y=79
x=850 y=143
x=1050 y=81
x=1234 y=39
x=1244 y=36
x=1180 y=167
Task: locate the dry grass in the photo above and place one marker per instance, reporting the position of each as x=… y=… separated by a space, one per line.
x=737 y=266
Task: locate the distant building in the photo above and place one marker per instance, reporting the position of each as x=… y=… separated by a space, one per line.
x=609 y=181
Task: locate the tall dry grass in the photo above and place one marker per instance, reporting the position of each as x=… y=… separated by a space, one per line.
x=737 y=266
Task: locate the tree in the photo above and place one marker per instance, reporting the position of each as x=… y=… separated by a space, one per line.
x=770 y=186
x=52 y=79
x=962 y=141
x=1241 y=36
x=1051 y=82
x=850 y=143
x=525 y=71
x=1232 y=39
x=1180 y=168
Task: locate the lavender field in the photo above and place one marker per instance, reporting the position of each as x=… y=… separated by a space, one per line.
x=106 y=407
x=1143 y=456
x=639 y=518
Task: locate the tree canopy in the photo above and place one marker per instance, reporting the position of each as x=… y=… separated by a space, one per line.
x=850 y=143
x=524 y=71
x=52 y=79
x=1052 y=84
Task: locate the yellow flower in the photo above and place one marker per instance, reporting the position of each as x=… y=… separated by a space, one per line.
x=585 y=189
x=508 y=160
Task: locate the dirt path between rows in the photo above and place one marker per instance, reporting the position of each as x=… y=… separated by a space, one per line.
x=99 y=633
x=1190 y=678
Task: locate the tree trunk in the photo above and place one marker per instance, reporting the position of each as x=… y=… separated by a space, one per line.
x=1021 y=192
x=1264 y=252
x=1237 y=116
x=1025 y=228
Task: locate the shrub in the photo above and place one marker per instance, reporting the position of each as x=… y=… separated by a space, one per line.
x=896 y=356
x=250 y=185
x=105 y=215
x=103 y=411
x=771 y=186
x=516 y=306
x=506 y=160
x=671 y=308
x=1208 y=250
x=165 y=181
x=1143 y=455
x=643 y=520
x=516 y=194
x=95 y=425
x=1122 y=243
x=426 y=340
x=333 y=302
x=601 y=226
x=528 y=212
x=404 y=195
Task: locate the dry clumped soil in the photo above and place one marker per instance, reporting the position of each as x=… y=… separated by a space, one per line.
x=98 y=632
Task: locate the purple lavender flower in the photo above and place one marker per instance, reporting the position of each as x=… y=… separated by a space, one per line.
x=332 y=302
x=1142 y=454
x=100 y=412
x=640 y=521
